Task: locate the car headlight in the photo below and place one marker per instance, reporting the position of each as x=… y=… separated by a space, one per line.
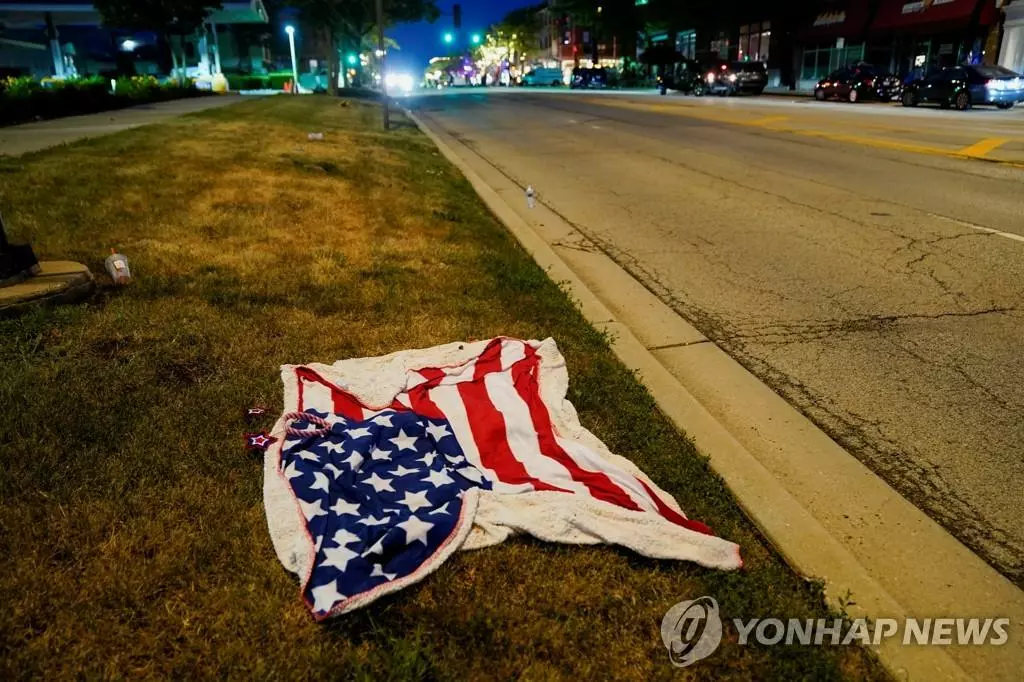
x=711 y=77
x=402 y=82
x=732 y=78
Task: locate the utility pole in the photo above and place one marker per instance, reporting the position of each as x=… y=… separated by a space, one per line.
x=382 y=53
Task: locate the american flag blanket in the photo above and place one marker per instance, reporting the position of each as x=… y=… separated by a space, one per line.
x=385 y=466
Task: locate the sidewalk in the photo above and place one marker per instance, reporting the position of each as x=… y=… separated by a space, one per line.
x=30 y=137
x=786 y=92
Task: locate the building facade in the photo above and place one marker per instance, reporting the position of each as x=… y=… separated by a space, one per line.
x=1011 y=51
x=62 y=38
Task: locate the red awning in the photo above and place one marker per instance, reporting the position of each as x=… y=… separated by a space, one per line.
x=841 y=20
x=895 y=15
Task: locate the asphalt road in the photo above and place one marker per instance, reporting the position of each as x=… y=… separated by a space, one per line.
x=854 y=257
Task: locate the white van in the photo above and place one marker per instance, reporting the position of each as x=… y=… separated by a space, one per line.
x=544 y=76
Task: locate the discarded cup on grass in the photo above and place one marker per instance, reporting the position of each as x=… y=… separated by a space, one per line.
x=316 y=137
x=117 y=266
x=531 y=196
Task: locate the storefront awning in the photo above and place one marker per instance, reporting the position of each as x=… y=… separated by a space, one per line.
x=841 y=20
x=909 y=15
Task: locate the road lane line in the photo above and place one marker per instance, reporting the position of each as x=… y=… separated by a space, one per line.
x=709 y=114
x=768 y=120
x=989 y=230
x=983 y=147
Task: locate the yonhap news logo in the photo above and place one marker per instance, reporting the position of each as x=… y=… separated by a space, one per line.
x=692 y=631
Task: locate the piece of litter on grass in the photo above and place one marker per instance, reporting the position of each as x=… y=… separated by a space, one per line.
x=117 y=266
x=316 y=137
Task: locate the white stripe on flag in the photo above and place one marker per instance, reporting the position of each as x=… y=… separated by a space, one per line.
x=449 y=401
x=522 y=436
x=511 y=352
x=587 y=459
x=317 y=396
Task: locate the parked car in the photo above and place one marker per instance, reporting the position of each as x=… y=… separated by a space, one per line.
x=688 y=77
x=732 y=78
x=588 y=78
x=965 y=86
x=544 y=76
x=859 y=82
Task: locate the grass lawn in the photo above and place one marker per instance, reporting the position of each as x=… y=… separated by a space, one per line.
x=132 y=536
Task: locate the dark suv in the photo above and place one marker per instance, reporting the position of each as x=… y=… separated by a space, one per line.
x=688 y=77
x=731 y=78
x=858 y=82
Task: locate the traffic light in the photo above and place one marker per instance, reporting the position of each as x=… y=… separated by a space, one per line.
x=457 y=15
x=448 y=37
x=475 y=38
x=353 y=59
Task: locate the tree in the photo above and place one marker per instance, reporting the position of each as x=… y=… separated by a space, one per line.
x=169 y=18
x=346 y=24
x=525 y=24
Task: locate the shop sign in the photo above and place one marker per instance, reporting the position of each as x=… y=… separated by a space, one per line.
x=830 y=19
x=923 y=5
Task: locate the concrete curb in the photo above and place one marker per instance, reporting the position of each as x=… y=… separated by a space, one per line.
x=784 y=518
x=57 y=282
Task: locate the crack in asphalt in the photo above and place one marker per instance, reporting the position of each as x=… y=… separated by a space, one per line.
x=900 y=465
x=686 y=344
x=813 y=331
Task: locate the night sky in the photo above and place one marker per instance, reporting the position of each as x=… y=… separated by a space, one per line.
x=420 y=42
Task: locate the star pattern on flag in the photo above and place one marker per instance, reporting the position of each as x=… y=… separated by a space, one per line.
x=438 y=478
x=404 y=442
x=415 y=501
x=379 y=498
x=379 y=484
x=438 y=431
x=326 y=596
x=415 y=530
x=380 y=455
x=402 y=471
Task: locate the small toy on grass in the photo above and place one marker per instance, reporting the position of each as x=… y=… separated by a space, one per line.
x=259 y=441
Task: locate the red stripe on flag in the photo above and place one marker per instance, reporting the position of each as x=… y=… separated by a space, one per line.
x=344 y=404
x=674 y=516
x=422 y=405
x=488 y=425
x=433 y=375
x=524 y=377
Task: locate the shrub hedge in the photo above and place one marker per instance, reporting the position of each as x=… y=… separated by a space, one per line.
x=26 y=99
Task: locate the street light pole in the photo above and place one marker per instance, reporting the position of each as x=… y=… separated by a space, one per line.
x=290 y=30
x=383 y=56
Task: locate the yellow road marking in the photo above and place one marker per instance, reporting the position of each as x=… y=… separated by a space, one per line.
x=982 y=148
x=975 y=151
x=769 y=120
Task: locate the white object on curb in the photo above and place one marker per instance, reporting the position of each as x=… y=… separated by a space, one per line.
x=531 y=196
